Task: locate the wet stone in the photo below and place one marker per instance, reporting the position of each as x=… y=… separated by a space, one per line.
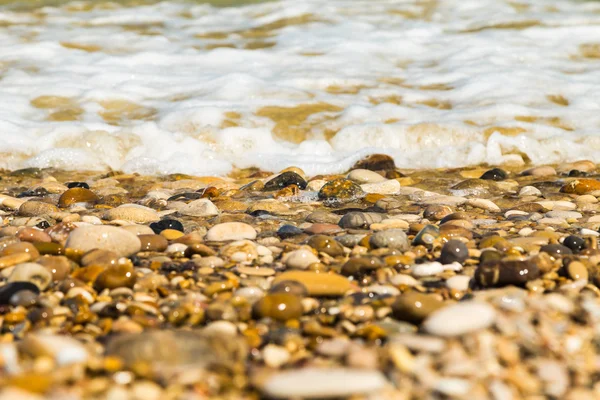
x=577 y=270
x=556 y=250
x=104 y=237
x=581 y=186
x=360 y=266
x=288 y=231
x=72 y=185
x=436 y=212
x=284 y=180
x=77 y=195
x=317 y=284
x=361 y=176
x=23 y=298
x=326 y=244
x=231 y=231
x=575 y=243
x=116 y=276
x=426 y=236
x=454 y=251
x=495 y=174
x=340 y=190
x=503 y=273
x=357 y=220
x=414 y=307
x=10 y=289
x=59 y=266
x=279 y=306
x=163 y=224
x=153 y=242
x=290 y=287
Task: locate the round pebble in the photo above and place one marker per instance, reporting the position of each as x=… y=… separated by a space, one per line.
x=103 y=237
x=460 y=319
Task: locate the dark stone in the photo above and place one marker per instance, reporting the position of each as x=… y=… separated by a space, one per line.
x=556 y=250
x=503 y=273
x=575 y=243
x=161 y=225
x=355 y=220
x=37 y=192
x=495 y=174
x=376 y=162
x=43 y=225
x=454 y=251
x=284 y=180
x=288 y=231
x=577 y=173
x=259 y=213
x=83 y=185
x=10 y=289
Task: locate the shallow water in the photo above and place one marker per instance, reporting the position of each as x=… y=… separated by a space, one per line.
x=165 y=87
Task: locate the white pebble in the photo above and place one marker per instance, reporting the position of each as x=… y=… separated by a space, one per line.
x=403 y=279
x=529 y=191
x=564 y=214
x=588 y=232
x=458 y=282
x=484 y=204
x=275 y=356
x=314 y=382
x=390 y=186
x=427 y=269
x=459 y=319
x=300 y=259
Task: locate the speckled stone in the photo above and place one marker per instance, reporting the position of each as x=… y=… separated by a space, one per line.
x=391 y=238
x=77 y=195
x=104 y=237
x=34 y=208
x=340 y=190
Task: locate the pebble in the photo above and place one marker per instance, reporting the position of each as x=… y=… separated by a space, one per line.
x=530 y=191
x=465 y=317
x=427 y=269
x=104 y=237
x=459 y=282
x=564 y=214
x=133 y=213
x=340 y=190
x=116 y=276
x=167 y=223
x=323 y=383
x=285 y=179
x=539 y=171
x=288 y=231
x=402 y=279
x=153 y=243
x=357 y=220
x=414 y=307
x=77 y=195
x=59 y=266
x=581 y=186
x=361 y=176
x=33 y=273
x=484 y=204
x=508 y=272
x=10 y=289
x=300 y=259
x=63 y=350
x=454 y=251
x=275 y=356
x=376 y=162
x=279 y=306
x=34 y=208
x=390 y=238
x=230 y=231
x=326 y=244
x=390 y=186
x=33 y=235
x=317 y=284
x=577 y=270
x=494 y=174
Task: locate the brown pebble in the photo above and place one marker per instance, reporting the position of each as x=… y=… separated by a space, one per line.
x=317 y=284
x=414 y=307
x=153 y=242
x=59 y=266
x=576 y=270
x=201 y=249
x=99 y=256
x=77 y=195
x=279 y=306
x=28 y=234
x=510 y=272
x=88 y=274
x=115 y=276
x=22 y=247
x=34 y=208
x=326 y=244
x=49 y=248
x=171 y=234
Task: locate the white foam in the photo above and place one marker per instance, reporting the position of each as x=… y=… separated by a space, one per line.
x=386 y=61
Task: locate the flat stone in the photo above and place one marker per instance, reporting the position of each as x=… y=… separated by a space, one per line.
x=104 y=237
x=317 y=284
x=357 y=219
x=133 y=213
x=322 y=383
x=300 y=259
x=199 y=208
x=460 y=319
x=361 y=176
x=390 y=186
x=230 y=231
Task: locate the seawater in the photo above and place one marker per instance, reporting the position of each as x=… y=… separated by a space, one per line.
x=202 y=88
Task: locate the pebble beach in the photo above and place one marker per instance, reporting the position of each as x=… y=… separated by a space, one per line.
x=381 y=283
x=317 y=199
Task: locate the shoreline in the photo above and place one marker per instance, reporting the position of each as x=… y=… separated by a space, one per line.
x=377 y=284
